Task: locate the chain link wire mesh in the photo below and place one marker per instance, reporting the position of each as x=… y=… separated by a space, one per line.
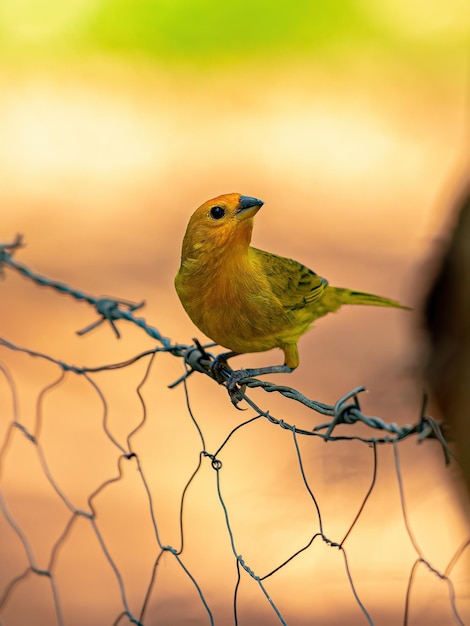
x=40 y=548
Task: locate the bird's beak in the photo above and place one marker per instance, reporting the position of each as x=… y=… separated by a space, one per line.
x=248 y=207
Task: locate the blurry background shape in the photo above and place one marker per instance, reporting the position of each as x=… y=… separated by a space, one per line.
x=447 y=317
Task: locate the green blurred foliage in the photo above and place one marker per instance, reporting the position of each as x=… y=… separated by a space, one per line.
x=210 y=32
x=220 y=30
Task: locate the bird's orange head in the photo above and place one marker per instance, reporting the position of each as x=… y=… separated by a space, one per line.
x=219 y=225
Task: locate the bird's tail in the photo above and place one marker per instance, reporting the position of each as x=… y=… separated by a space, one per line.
x=341 y=296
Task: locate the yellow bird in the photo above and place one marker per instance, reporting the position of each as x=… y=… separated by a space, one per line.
x=245 y=299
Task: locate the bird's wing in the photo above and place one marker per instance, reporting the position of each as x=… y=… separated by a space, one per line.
x=295 y=285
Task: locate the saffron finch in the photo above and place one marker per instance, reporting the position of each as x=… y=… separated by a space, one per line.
x=245 y=299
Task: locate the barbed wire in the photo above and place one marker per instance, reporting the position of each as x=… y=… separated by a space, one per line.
x=346 y=412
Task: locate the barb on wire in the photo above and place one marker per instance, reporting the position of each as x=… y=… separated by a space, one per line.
x=7 y=250
x=109 y=309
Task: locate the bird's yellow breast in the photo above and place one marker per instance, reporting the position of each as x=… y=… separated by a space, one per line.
x=234 y=305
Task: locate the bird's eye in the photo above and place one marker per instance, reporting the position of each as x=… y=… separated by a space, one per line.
x=217 y=212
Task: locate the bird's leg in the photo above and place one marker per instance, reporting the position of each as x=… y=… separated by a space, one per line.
x=291 y=361
x=223 y=373
x=239 y=377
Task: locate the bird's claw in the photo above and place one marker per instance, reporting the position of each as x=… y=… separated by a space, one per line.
x=223 y=374
x=236 y=387
x=200 y=360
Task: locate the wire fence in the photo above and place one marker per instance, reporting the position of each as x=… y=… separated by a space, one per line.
x=343 y=421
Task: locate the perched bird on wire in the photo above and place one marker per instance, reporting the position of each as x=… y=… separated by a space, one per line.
x=248 y=300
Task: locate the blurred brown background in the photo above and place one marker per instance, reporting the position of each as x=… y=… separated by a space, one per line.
x=350 y=120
